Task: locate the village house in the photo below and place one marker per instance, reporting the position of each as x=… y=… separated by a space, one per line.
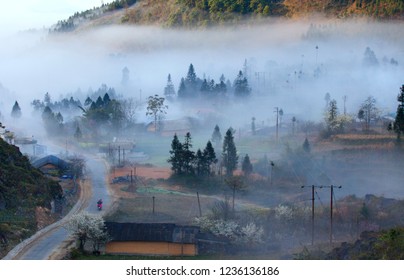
x=161 y=239
x=158 y=239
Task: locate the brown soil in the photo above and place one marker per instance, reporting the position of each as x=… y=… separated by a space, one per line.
x=120 y=190
x=147 y=172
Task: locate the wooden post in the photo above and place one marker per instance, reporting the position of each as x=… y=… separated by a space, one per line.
x=199 y=204
x=119 y=155
x=312 y=215
x=332 y=192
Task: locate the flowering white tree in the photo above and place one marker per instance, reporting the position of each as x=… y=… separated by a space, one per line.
x=236 y=233
x=251 y=234
x=88 y=227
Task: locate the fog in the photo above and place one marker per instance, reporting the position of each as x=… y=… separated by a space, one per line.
x=290 y=65
x=35 y=63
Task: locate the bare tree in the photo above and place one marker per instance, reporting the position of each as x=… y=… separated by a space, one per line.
x=368 y=112
x=156 y=108
x=235 y=183
x=77 y=165
x=131 y=107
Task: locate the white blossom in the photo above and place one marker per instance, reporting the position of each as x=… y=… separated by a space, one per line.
x=85 y=226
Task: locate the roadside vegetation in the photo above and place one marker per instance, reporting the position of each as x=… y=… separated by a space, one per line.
x=25 y=198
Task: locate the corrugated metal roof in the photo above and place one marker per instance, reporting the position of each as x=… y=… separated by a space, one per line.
x=51 y=159
x=158 y=232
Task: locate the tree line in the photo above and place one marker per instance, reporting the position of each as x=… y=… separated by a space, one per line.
x=201 y=163
x=192 y=87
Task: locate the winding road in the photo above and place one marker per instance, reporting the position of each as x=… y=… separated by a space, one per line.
x=46 y=243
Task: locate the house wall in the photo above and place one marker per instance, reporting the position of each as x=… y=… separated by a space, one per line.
x=151 y=248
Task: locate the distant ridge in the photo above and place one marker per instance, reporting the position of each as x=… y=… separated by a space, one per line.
x=204 y=13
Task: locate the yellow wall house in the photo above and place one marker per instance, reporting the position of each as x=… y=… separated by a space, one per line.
x=151 y=239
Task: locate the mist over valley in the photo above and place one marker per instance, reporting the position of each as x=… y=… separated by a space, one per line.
x=271 y=83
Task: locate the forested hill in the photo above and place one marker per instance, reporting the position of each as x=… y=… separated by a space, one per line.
x=23 y=190
x=194 y=13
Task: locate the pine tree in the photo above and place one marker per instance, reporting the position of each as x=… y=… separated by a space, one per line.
x=247 y=167
x=99 y=103
x=50 y=122
x=241 y=87
x=222 y=78
x=182 y=90
x=229 y=153
x=205 y=90
x=221 y=89
x=88 y=101
x=253 y=131
x=209 y=158
x=369 y=58
x=191 y=76
x=16 y=111
x=216 y=136
x=399 y=120
x=125 y=76
x=188 y=156
x=199 y=163
x=332 y=117
x=190 y=83
x=59 y=118
x=176 y=156
x=47 y=99
x=169 y=91
x=77 y=134
x=306 y=146
x=106 y=99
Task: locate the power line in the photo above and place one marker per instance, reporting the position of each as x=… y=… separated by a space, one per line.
x=331 y=187
x=322 y=205
x=312 y=212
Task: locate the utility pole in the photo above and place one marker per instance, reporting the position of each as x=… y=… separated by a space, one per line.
x=331 y=204
x=271 y=172
x=153 y=204
x=312 y=211
x=344 y=98
x=331 y=209
x=277 y=122
x=119 y=155
x=199 y=205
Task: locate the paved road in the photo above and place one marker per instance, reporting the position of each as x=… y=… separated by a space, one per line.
x=97 y=170
x=52 y=237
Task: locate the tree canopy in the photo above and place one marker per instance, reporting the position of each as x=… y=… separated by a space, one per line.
x=16 y=110
x=229 y=153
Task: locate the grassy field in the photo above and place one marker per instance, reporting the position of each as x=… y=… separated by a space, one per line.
x=361 y=164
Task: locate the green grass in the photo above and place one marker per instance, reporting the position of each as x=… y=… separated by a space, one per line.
x=77 y=255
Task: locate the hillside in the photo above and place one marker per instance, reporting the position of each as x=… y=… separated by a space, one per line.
x=372 y=245
x=203 y=13
x=25 y=194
